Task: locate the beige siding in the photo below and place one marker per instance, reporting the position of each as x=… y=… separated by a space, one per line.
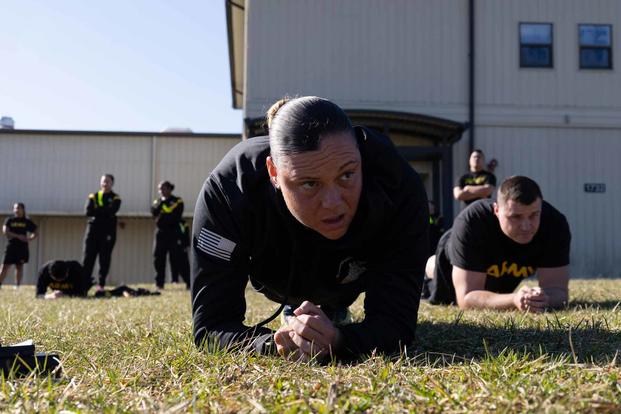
x=186 y=162
x=53 y=174
x=562 y=161
x=62 y=238
x=503 y=84
x=400 y=55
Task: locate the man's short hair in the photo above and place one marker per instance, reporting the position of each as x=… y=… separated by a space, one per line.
x=58 y=270
x=480 y=151
x=519 y=189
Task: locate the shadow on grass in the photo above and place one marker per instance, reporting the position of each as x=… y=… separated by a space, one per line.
x=591 y=341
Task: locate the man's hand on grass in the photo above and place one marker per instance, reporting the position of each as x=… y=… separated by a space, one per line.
x=55 y=294
x=531 y=299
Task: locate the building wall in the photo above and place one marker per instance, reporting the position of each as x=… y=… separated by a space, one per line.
x=541 y=94
x=400 y=55
x=412 y=56
x=53 y=174
x=562 y=126
x=562 y=160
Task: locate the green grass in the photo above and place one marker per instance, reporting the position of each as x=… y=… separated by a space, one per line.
x=137 y=354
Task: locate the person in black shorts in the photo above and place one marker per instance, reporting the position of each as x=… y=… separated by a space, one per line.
x=101 y=209
x=64 y=278
x=477 y=183
x=493 y=247
x=19 y=230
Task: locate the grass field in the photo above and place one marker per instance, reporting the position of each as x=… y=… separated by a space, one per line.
x=137 y=354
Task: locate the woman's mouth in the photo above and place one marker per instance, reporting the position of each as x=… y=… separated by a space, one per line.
x=335 y=221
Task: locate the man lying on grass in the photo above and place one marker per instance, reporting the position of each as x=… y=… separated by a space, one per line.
x=493 y=246
x=64 y=278
x=313 y=215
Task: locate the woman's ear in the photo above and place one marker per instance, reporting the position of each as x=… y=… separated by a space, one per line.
x=272 y=170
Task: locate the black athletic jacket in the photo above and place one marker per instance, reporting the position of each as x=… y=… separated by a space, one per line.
x=76 y=283
x=101 y=208
x=168 y=213
x=243 y=229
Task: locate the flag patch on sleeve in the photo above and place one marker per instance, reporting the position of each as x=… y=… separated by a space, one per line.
x=215 y=245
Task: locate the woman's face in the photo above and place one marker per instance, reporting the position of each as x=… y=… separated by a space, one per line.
x=164 y=191
x=322 y=188
x=105 y=183
x=18 y=210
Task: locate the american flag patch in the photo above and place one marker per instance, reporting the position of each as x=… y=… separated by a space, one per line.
x=215 y=245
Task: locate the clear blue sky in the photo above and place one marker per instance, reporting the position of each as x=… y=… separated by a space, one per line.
x=127 y=65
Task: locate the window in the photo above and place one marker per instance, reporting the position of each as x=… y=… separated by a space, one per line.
x=536 y=45
x=595 y=46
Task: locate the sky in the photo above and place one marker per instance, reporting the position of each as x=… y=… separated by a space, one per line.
x=116 y=65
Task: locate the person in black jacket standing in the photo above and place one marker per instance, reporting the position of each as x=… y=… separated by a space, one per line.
x=101 y=208
x=313 y=215
x=167 y=210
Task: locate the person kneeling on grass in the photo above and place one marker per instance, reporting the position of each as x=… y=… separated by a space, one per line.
x=493 y=246
x=313 y=215
x=64 y=278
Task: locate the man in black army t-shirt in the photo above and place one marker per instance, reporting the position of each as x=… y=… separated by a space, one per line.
x=64 y=278
x=477 y=183
x=492 y=247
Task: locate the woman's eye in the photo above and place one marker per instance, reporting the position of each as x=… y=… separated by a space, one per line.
x=308 y=185
x=347 y=176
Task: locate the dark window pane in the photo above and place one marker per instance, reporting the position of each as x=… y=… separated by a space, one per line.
x=594 y=35
x=538 y=34
x=535 y=56
x=594 y=58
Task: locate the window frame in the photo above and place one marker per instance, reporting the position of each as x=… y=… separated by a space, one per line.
x=609 y=48
x=538 y=45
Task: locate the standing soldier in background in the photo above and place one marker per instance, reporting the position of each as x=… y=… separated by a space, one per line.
x=101 y=208
x=167 y=210
x=19 y=230
x=477 y=183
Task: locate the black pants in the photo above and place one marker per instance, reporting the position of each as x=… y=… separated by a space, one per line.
x=181 y=266
x=441 y=288
x=98 y=242
x=168 y=243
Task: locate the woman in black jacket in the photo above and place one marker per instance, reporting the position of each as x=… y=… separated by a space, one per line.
x=313 y=215
x=167 y=210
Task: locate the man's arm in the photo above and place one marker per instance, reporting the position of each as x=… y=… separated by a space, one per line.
x=91 y=206
x=155 y=207
x=10 y=235
x=554 y=281
x=42 y=282
x=115 y=205
x=470 y=192
x=471 y=294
